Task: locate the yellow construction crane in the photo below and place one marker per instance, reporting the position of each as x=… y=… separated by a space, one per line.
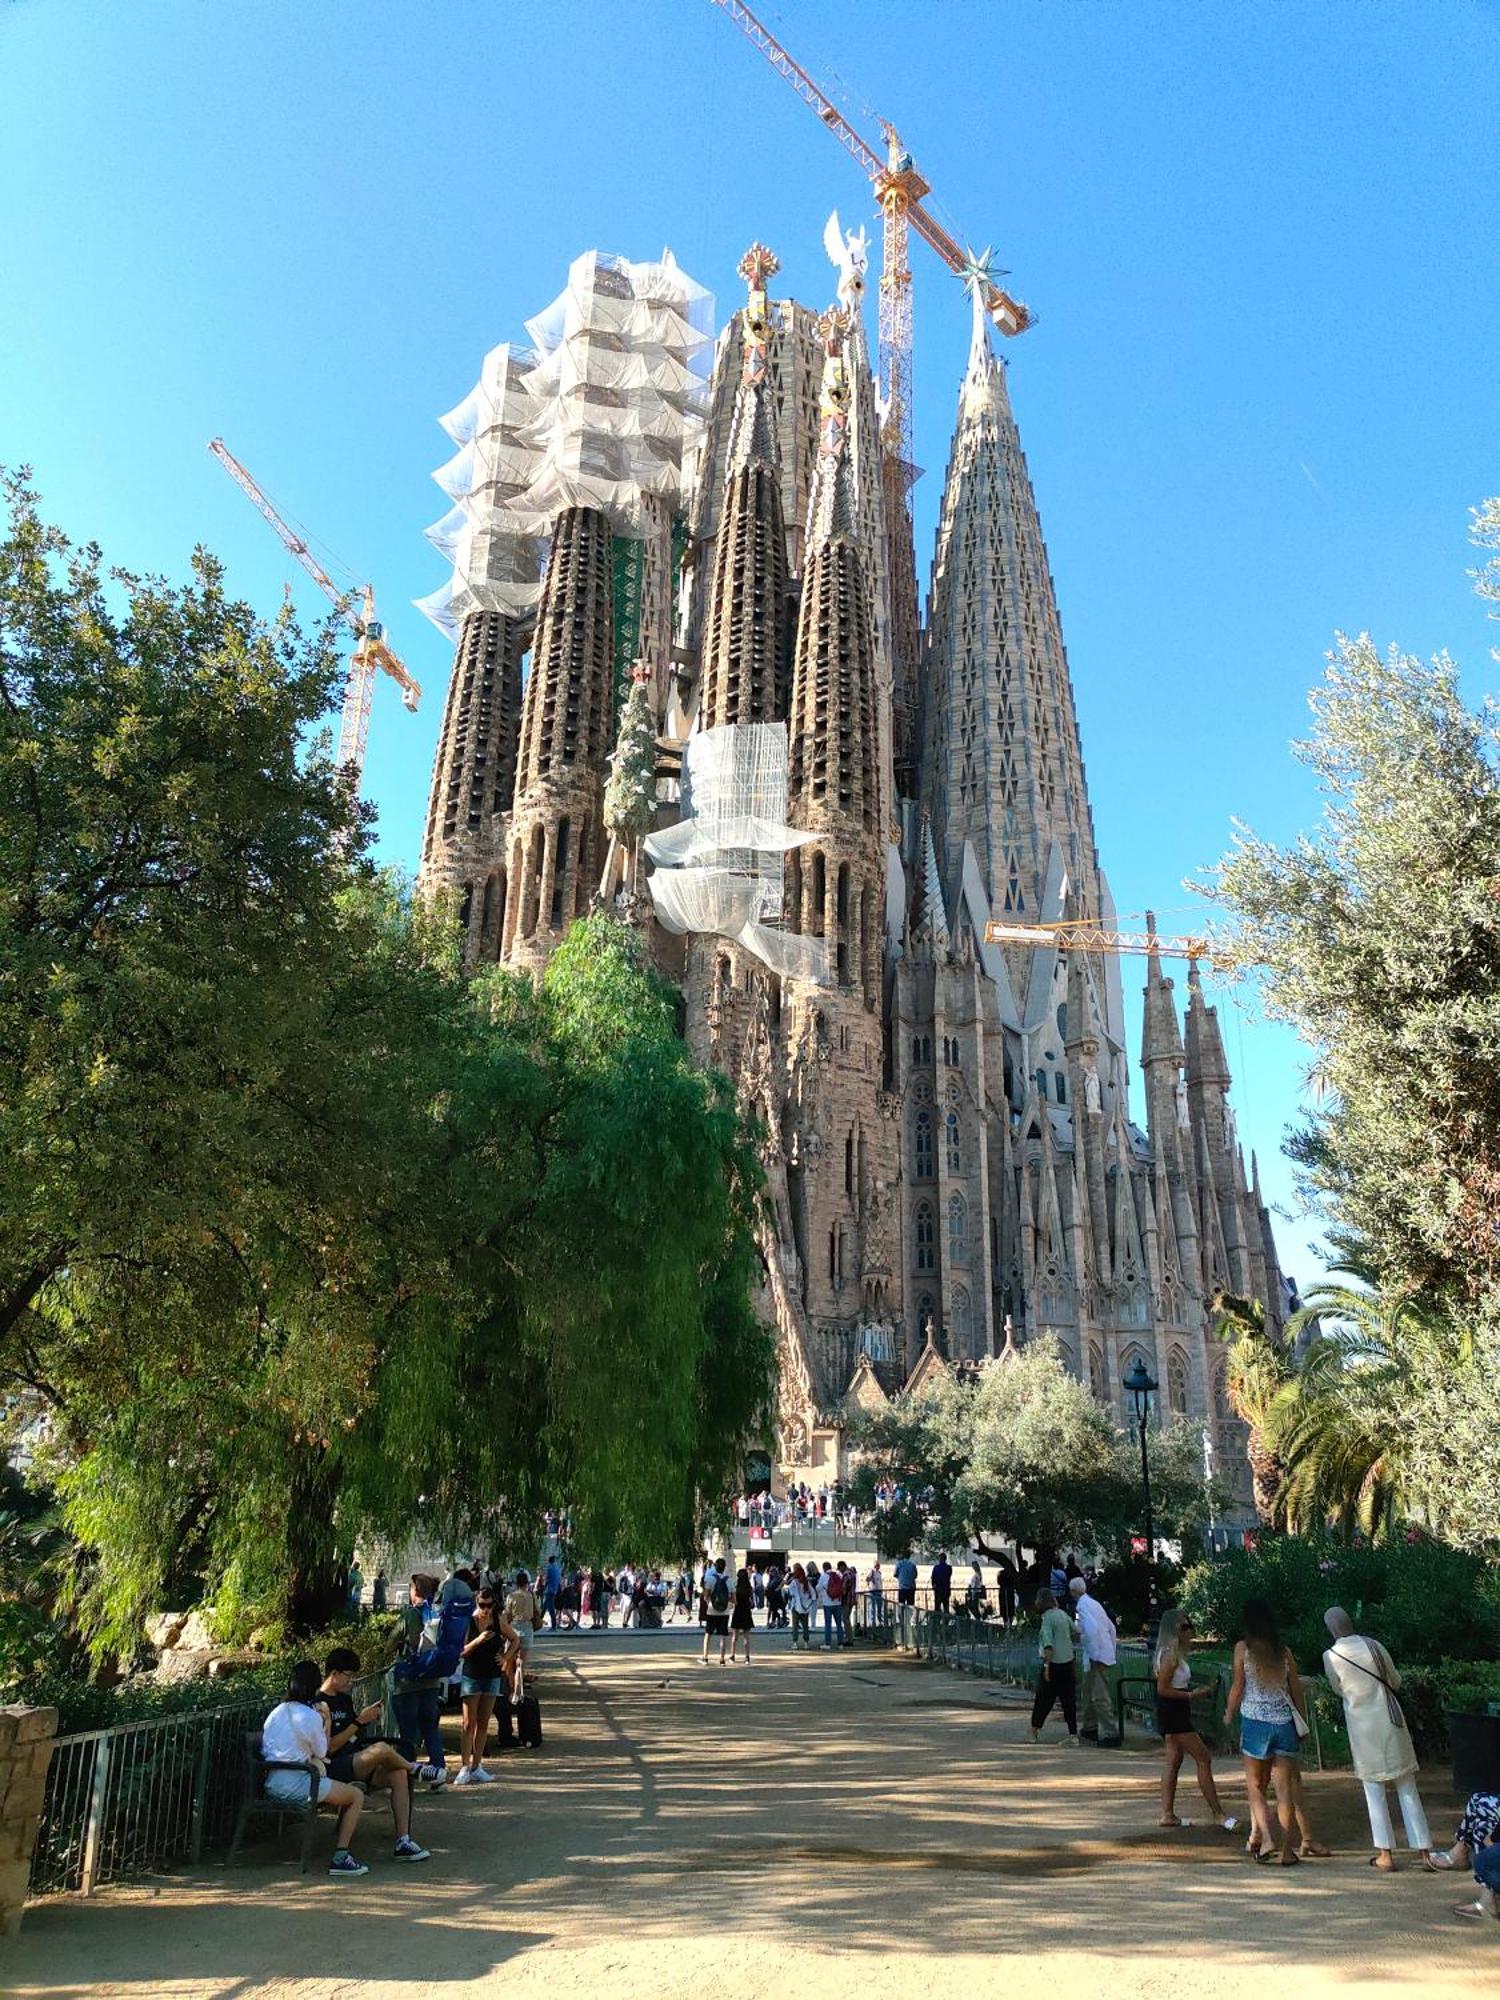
x=1094 y=937
x=371 y=653
x=899 y=191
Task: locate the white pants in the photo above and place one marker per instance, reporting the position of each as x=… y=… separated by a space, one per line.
x=1382 y=1833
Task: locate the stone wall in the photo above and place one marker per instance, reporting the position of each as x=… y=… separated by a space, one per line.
x=26 y=1738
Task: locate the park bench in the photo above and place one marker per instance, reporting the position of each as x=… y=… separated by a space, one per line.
x=256 y=1804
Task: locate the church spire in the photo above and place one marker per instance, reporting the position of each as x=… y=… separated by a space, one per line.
x=833 y=742
x=747 y=629
x=1004 y=770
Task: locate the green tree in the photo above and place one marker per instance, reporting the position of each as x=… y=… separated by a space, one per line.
x=1381 y=944
x=1258 y=1370
x=1342 y=1421
x=1022 y=1450
x=299 y=1234
x=601 y=1194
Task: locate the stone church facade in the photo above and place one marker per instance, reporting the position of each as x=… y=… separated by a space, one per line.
x=954 y=1164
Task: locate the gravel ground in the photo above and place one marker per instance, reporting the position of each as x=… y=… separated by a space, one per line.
x=804 y=1828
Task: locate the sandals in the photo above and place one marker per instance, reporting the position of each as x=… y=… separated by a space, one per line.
x=1437 y=1862
x=1311 y=1850
x=1170 y=1820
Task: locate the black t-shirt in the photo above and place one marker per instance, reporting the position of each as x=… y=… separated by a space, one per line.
x=484 y=1662
x=342 y=1714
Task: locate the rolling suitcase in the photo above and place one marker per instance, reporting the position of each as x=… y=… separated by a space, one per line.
x=528 y=1720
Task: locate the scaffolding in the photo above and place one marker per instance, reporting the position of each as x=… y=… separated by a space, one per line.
x=596 y=412
x=720 y=871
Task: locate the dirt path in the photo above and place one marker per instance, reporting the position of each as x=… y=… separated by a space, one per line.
x=810 y=1826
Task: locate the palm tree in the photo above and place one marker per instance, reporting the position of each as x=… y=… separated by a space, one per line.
x=1257 y=1373
x=1340 y=1423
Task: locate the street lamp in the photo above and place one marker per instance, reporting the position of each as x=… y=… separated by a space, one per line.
x=1139 y=1385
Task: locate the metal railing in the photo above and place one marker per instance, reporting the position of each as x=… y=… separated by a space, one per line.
x=145 y=1796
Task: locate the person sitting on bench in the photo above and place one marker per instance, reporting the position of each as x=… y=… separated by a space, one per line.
x=296 y=1732
x=378 y=1766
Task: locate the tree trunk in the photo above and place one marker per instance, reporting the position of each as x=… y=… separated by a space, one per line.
x=318 y=1572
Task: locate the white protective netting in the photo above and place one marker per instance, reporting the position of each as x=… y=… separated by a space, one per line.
x=596 y=413
x=720 y=870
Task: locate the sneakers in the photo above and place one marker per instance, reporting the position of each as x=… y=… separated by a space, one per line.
x=344 y=1863
x=433 y=1776
x=465 y=1776
x=408 y=1850
x=480 y=1776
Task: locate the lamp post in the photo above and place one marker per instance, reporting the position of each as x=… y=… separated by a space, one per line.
x=1139 y=1386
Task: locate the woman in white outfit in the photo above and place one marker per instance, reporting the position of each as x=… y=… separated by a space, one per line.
x=1363 y=1674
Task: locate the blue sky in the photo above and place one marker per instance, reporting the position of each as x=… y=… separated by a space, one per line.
x=1261 y=398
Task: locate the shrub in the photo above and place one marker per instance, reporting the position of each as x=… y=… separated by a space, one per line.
x=1123 y=1588
x=85 y=1704
x=1426 y=1602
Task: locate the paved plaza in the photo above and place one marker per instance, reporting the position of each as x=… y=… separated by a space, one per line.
x=809 y=1826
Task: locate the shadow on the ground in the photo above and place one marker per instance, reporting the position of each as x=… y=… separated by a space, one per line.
x=863 y=1805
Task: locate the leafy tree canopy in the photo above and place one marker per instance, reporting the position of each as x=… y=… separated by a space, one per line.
x=301 y=1237
x=1020 y=1450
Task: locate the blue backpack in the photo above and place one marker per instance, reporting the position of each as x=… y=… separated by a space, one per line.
x=439 y=1660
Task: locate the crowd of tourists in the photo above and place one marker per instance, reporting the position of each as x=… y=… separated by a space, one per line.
x=477 y=1630
x=1267 y=1698
x=474 y=1629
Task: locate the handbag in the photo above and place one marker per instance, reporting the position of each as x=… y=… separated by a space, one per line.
x=1299 y=1721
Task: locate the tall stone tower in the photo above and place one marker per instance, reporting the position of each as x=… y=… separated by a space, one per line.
x=952 y=1165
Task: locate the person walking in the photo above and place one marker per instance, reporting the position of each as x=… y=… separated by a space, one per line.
x=1097 y=1631
x=742 y=1618
x=1364 y=1677
x=1174 y=1718
x=1055 y=1682
x=1267 y=1695
x=717 y=1597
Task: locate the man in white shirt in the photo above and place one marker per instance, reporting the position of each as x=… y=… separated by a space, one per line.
x=1097 y=1630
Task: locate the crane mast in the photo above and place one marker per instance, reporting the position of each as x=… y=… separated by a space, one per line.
x=371 y=653
x=899 y=191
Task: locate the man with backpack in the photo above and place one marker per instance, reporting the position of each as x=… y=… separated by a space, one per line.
x=435 y=1637
x=717 y=1593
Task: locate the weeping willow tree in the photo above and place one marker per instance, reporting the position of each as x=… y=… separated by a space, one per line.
x=599 y=1351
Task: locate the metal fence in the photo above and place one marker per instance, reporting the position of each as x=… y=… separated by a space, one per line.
x=144 y=1796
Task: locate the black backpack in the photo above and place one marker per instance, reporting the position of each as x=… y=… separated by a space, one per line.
x=718 y=1597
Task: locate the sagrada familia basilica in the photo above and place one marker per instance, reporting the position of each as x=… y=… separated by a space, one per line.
x=692 y=541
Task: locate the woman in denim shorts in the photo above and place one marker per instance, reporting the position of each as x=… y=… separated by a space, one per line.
x=489 y=1631
x=1267 y=1695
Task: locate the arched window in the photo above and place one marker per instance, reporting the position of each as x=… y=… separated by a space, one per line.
x=916 y=1048
x=1132 y=1302
x=1177 y=1382
x=926 y=1232
x=926 y=1314
x=954 y=1145
x=1062 y=1088
x=923 y=1153
x=950 y=1051
x=1041 y=1085
x=958 y=1219
x=961 y=1331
